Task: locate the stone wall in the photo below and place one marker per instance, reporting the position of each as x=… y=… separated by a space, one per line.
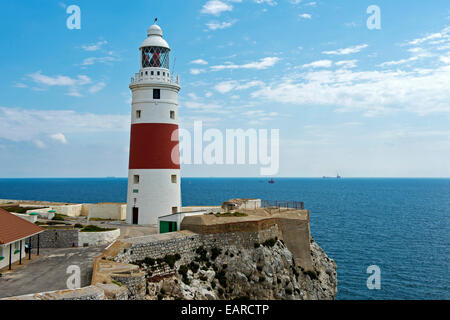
x=135 y=283
x=86 y=293
x=57 y=238
x=97 y=238
x=185 y=243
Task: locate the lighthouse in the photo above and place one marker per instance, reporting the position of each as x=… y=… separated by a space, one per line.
x=154 y=167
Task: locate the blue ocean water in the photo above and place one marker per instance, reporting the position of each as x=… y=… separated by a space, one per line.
x=400 y=225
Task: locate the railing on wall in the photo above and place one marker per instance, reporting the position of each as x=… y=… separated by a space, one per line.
x=282 y=205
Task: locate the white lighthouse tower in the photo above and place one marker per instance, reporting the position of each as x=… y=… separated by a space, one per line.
x=154 y=169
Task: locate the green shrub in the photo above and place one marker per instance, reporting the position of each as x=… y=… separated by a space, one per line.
x=92 y=228
x=262 y=279
x=58 y=217
x=221 y=277
x=269 y=242
x=220 y=290
x=202 y=254
x=183 y=269
x=215 y=252
x=288 y=291
x=149 y=261
x=171 y=259
x=256 y=245
x=213 y=284
x=311 y=274
x=194 y=267
x=78 y=226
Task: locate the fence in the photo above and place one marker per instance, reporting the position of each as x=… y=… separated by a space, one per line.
x=282 y=205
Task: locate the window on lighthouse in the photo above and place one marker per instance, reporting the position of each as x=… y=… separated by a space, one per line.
x=136 y=179
x=174 y=178
x=138 y=114
x=156 y=93
x=172 y=114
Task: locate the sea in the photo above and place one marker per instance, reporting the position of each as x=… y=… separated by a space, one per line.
x=401 y=226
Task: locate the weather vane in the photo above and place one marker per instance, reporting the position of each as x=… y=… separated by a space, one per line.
x=156 y=19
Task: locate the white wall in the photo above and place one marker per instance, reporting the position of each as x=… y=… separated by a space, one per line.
x=97 y=238
x=109 y=211
x=72 y=210
x=157 y=194
x=27 y=217
x=15 y=257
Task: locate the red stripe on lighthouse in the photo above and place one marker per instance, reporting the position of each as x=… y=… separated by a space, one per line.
x=151 y=146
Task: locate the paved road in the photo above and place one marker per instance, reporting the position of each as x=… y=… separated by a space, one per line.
x=48 y=273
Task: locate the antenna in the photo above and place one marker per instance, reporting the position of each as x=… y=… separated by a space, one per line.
x=173 y=66
x=156 y=19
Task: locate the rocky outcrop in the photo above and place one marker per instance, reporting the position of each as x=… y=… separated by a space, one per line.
x=267 y=271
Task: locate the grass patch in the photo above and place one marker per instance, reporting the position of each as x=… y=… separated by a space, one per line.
x=231 y=214
x=58 y=217
x=92 y=228
x=117 y=283
x=19 y=209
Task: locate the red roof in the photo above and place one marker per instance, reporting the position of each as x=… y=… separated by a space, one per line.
x=13 y=228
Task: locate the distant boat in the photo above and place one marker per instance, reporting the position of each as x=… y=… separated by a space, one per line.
x=338 y=176
x=271 y=181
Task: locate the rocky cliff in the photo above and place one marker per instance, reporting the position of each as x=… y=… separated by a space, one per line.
x=267 y=271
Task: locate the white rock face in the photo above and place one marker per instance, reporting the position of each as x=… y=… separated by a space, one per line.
x=263 y=273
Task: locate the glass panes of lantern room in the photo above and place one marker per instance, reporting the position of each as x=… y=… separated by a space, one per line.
x=155 y=57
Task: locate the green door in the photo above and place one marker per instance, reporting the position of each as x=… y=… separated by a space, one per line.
x=167 y=226
x=163 y=227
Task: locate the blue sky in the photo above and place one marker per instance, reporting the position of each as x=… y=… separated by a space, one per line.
x=364 y=103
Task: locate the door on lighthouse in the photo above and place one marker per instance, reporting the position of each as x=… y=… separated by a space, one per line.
x=135 y=215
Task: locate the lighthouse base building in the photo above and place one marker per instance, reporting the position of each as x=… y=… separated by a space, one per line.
x=154 y=169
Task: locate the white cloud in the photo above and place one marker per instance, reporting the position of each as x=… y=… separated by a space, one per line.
x=94 y=47
x=195 y=71
x=305 y=16
x=227 y=86
x=216 y=7
x=419 y=91
x=347 y=63
x=28 y=125
x=38 y=143
x=345 y=51
x=397 y=62
x=214 y=25
x=97 y=87
x=59 y=80
x=199 y=61
x=94 y=60
x=318 y=64
x=263 y=63
x=59 y=137
x=269 y=2
x=74 y=84
x=445 y=59
x=445 y=33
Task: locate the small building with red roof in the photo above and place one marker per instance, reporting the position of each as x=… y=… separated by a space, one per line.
x=15 y=232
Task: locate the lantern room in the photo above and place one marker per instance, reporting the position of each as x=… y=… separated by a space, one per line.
x=154 y=50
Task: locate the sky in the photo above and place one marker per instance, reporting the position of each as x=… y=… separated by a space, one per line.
x=346 y=98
